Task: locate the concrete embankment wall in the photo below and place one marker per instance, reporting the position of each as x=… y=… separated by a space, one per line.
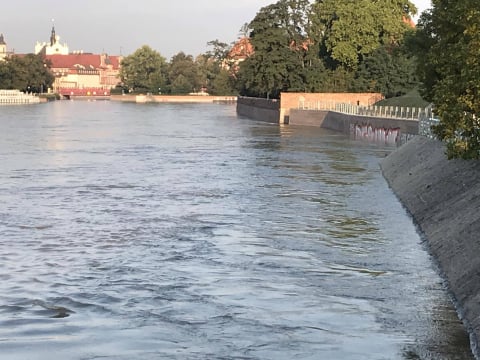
x=343 y=122
x=443 y=197
x=259 y=109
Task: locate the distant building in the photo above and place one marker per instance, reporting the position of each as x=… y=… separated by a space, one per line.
x=409 y=21
x=240 y=51
x=53 y=47
x=79 y=73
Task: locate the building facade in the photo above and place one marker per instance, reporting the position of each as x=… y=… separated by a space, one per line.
x=81 y=74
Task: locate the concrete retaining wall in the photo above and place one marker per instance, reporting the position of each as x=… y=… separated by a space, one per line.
x=259 y=109
x=443 y=197
x=343 y=122
x=307 y=118
x=290 y=101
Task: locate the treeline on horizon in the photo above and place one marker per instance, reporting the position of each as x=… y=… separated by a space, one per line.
x=324 y=46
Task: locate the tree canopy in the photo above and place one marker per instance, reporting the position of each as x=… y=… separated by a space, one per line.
x=183 y=74
x=28 y=73
x=144 y=70
x=451 y=73
x=278 y=35
x=328 y=45
x=352 y=29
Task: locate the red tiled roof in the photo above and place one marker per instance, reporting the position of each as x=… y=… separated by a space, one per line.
x=84 y=61
x=241 y=50
x=409 y=21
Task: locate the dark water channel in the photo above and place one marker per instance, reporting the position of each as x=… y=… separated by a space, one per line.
x=182 y=232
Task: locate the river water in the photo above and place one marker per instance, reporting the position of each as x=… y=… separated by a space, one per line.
x=183 y=232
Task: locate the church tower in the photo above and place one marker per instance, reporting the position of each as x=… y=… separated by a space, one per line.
x=53 y=47
x=53 y=37
x=3 y=48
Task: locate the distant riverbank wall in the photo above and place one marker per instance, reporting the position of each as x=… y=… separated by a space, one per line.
x=443 y=197
x=143 y=99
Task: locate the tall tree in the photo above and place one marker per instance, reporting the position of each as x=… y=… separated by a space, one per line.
x=183 y=74
x=278 y=34
x=452 y=31
x=144 y=70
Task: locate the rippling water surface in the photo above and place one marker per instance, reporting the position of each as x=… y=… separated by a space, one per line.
x=182 y=232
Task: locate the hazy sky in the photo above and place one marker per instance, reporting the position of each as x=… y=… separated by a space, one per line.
x=121 y=26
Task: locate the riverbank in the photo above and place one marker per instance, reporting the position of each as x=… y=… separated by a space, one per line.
x=443 y=197
x=173 y=99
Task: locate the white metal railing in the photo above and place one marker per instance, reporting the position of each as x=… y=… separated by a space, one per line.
x=15 y=97
x=394 y=112
x=426 y=121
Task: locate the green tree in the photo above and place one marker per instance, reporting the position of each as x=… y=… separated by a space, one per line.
x=319 y=47
x=453 y=32
x=183 y=74
x=350 y=30
x=222 y=84
x=388 y=70
x=181 y=85
x=279 y=37
x=212 y=74
x=219 y=51
x=29 y=73
x=144 y=71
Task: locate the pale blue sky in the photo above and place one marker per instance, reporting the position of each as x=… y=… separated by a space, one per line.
x=125 y=25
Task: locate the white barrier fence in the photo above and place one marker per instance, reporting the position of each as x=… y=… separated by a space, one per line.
x=394 y=112
x=15 y=97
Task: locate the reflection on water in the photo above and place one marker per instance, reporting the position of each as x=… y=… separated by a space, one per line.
x=182 y=232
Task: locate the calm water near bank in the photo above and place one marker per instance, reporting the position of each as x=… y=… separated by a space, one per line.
x=182 y=232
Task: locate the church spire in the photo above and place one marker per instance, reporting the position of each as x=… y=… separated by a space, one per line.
x=2 y=40
x=53 y=37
